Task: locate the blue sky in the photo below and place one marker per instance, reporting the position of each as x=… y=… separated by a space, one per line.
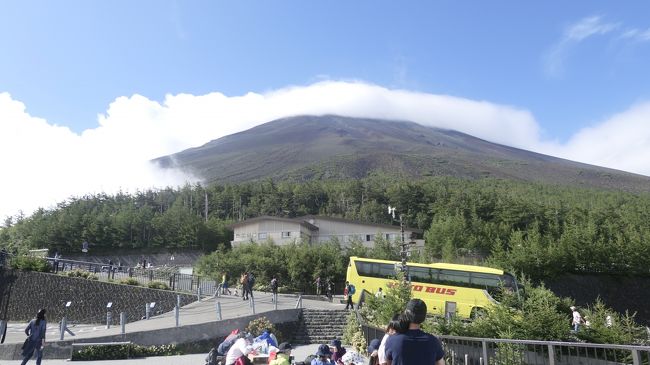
x=558 y=75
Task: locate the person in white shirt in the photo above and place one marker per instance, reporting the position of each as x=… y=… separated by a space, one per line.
x=577 y=319
x=241 y=347
x=379 y=294
x=396 y=325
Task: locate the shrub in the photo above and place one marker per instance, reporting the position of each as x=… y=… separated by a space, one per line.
x=130 y=281
x=353 y=334
x=80 y=274
x=261 y=324
x=120 y=352
x=158 y=285
x=29 y=263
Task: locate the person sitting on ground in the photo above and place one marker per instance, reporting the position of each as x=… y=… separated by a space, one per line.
x=414 y=347
x=337 y=350
x=241 y=347
x=352 y=358
x=283 y=355
x=323 y=356
x=396 y=325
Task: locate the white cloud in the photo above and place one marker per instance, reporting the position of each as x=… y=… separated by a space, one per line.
x=622 y=141
x=637 y=34
x=574 y=34
x=45 y=164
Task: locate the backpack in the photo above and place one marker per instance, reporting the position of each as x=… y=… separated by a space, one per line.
x=274 y=284
x=226 y=345
x=352 y=289
x=213 y=357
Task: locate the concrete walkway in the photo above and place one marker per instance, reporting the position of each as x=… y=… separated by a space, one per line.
x=299 y=353
x=194 y=313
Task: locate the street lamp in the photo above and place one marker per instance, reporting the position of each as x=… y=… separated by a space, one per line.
x=403 y=244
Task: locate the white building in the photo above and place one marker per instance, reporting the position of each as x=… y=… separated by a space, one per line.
x=318 y=229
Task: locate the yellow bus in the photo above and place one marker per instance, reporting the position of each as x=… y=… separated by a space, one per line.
x=463 y=290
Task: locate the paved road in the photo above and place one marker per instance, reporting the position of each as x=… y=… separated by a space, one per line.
x=299 y=353
x=194 y=313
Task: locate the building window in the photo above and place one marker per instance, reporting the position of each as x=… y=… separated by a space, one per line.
x=370 y=237
x=262 y=236
x=286 y=234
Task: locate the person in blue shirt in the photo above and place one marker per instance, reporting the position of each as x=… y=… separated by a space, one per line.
x=414 y=347
x=36 y=340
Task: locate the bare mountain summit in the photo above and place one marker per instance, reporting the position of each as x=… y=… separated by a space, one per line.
x=323 y=147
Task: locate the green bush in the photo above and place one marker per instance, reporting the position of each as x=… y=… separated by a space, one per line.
x=121 y=352
x=29 y=263
x=353 y=334
x=80 y=274
x=130 y=281
x=261 y=324
x=158 y=285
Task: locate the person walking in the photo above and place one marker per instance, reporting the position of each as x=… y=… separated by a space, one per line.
x=251 y=283
x=347 y=292
x=36 y=338
x=576 y=320
x=318 y=285
x=274 y=288
x=330 y=289
x=244 y=285
x=224 y=284
x=414 y=347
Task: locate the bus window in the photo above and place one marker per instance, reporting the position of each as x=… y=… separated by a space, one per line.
x=454 y=277
x=421 y=274
x=375 y=270
x=509 y=281
x=484 y=280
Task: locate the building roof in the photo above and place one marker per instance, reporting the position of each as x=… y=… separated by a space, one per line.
x=342 y=220
x=302 y=222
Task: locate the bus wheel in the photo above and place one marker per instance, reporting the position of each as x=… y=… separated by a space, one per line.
x=477 y=312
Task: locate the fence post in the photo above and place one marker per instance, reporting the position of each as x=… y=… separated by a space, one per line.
x=123 y=323
x=485 y=353
x=198 y=293
x=219 y=310
x=635 y=357
x=64 y=324
x=551 y=355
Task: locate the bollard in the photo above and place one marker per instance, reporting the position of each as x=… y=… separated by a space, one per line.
x=109 y=319
x=3 y=330
x=177 y=315
x=63 y=326
x=146 y=311
x=123 y=323
x=198 y=293
x=275 y=301
x=299 y=301
x=177 y=310
x=219 y=311
x=466 y=359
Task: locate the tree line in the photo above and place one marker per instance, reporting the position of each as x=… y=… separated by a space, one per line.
x=538 y=229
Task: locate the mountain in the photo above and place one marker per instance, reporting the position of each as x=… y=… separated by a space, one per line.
x=323 y=147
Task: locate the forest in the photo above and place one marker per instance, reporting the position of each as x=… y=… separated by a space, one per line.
x=541 y=230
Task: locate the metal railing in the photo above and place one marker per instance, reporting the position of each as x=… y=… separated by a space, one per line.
x=176 y=281
x=491 y=351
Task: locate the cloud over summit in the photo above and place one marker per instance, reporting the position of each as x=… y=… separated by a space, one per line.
x=45 y=163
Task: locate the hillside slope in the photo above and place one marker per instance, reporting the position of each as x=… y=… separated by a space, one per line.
x=321 y=147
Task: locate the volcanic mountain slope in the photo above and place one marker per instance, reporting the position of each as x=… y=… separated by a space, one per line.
x=322 y=147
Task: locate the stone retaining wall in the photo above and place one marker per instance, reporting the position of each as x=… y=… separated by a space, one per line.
x=34 y=290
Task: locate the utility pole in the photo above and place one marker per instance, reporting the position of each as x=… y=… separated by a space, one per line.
x=404 y=251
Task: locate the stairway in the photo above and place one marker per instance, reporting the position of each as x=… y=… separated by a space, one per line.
x=318 y=326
